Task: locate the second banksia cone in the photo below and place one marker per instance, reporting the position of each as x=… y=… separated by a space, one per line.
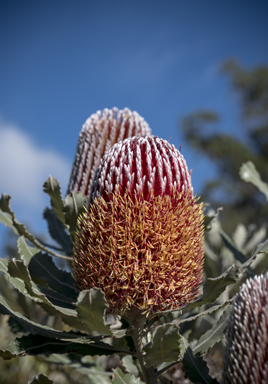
x=99 y=133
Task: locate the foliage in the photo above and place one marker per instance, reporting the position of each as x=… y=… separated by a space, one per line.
x=50 y=317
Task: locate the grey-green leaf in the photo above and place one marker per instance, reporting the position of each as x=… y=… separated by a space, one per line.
x=164 y=346
x=214 y=287
x=91 y=306
x=45 y=273
x=249 y=173
x=57 y=230
x=196 y=369
x=213 y=335
x=125 y=378
x=53 y=189
x=74 y=205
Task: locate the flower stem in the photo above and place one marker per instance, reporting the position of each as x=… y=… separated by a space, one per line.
x=137 y=322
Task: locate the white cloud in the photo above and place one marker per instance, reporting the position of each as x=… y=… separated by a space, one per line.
x=24 y=168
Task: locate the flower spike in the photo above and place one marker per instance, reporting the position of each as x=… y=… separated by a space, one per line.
x=246 y=352
x=141 y=240
x=99 y=133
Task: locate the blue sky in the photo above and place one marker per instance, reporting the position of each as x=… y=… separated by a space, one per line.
x=63 y=60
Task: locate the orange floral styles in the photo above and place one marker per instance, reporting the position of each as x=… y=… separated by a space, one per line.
x=141 y=240
x=99 y=133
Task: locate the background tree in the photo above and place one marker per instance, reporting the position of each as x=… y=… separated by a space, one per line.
x=242 y=201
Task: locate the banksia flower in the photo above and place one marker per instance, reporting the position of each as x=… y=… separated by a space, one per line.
x=141 y=240
x=99 y=133
x=246 y=352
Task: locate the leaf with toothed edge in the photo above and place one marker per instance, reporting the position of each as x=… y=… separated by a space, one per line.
x=53 y=189
x=91 y=306
x=57 y=230
x=8 y=218
x=36 y=344
x=45 y=273
x=164 y=346
x=74 y=205
x=125 y=378
x=213 y=335
x=196 y=368
x=214 y=287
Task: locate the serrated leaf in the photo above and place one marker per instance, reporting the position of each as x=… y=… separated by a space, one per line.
x=44 y=330
x=53 y=303
x=262 y=248
x=213 y=335
x=53 y=189
x=57 y=230
x=128 y=363
x=238 y=253
x=26 y=252
x=74 y=205
x=164 y=345
x=249 y=173
x=125 y=378
x=45 y=273
x=91 y=306
x=40 y=345
x=83 y=364
x=196 y=369
x=9 y=219
x=204 y=313
x=214 y=287
x=40 y=379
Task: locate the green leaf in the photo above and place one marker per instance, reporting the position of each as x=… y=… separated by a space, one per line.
x=25 y=250
x=213 y=335
x=91 y=306
x=45 y=273
x=74 y=205
x=262 y=248
x=7 y=217
x=128 y=363
x=57 y=230
x=44 y=330
x=196 y=369
x=249 y=173
x=214 y=287
x=43 y=345
x=83 y=364
x=125 y=378
x=53 y=189
x=238 y=253
x=200 y=314
x=40 y=379
x=164 y=346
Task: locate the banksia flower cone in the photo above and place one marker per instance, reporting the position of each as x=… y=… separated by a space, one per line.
x=99 y=133
x=246 y=352
x=141 y=240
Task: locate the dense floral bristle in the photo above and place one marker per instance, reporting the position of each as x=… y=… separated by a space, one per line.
x=143 y=254
x=246 y=352
x=99 y=133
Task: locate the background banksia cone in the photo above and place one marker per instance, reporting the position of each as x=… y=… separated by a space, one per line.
x=246 y=351
x=141 y=239
x=99 y=133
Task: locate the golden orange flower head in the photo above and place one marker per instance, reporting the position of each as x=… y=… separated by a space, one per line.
x=99 y=133
x=141 y=239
